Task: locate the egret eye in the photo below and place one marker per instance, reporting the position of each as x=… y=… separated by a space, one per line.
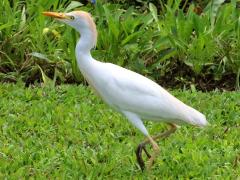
x=72 y=17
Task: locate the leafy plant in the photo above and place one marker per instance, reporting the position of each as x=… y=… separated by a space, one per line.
x=161 y=40
x=26 y=41
x=199 y=41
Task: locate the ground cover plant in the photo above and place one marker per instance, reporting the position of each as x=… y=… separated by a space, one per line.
x=65 y=131
x=176 y=43
x=68 y=132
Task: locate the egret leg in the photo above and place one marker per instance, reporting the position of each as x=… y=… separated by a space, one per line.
x=142 y=146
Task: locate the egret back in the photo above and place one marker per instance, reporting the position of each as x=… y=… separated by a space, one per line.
x=126 y=90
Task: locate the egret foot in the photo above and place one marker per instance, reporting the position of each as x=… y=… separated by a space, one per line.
x=142 y=147
x=156 y=151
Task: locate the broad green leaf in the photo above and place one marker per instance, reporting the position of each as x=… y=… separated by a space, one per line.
x=46 y=80
x=215 y=5
x=153 y=10
x=73 y=5
x=113 y=22
x=130 y=37
x=23 y=19
x=39 y=55
x=7 y=25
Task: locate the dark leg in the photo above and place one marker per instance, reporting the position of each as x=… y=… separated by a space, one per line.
x=139 y=149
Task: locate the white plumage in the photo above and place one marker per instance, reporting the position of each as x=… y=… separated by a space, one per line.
x=132 y=94
x=129 y=92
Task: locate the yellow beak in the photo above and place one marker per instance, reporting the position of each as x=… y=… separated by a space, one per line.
x=56 y=15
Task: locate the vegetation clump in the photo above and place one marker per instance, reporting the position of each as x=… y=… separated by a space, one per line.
x=176 y=43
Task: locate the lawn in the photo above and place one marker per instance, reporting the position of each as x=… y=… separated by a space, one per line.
x=68 y=132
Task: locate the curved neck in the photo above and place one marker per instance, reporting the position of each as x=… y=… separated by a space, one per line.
x=83 y=50
x=83 y=53
x=86 y=42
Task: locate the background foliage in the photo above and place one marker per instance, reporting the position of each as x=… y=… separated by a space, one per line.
x=176 y=43
x=50 y=132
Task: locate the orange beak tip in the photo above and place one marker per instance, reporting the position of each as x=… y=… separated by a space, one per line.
x=54 y=15
x=45 y=13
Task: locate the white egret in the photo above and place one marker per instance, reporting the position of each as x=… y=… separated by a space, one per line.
x=133 y=95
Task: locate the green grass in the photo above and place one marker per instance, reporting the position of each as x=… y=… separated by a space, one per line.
x=68 y=132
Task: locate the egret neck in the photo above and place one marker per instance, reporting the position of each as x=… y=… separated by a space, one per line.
x=83 y=48
x=85 y=61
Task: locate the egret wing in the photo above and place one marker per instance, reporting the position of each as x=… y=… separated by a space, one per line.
x=133 y=92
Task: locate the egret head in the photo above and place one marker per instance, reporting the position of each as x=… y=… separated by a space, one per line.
x=79 y=20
